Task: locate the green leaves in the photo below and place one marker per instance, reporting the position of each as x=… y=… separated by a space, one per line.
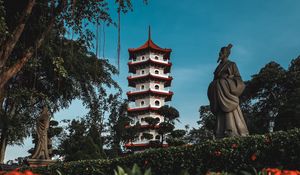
x=169 y=112
x=229 y=155
x=59 y=67
x=134 y=171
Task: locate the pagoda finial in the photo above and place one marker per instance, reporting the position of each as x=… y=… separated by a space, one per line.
x=149 y=33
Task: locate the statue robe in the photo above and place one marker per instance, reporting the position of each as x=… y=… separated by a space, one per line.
x=41 y=149
x=223 y=94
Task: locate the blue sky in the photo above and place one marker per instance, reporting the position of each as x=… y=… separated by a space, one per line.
x=260 y=31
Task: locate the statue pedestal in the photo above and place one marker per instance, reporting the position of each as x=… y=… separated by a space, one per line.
x=40 y=162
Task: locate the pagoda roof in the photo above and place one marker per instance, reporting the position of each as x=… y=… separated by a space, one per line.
x=134 y=65
x=149 y=44
x=133 y=79
x=133 y=94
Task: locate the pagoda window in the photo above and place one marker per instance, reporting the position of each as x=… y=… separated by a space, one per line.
x=157 y=137
x=142 y=103
x=157 y=119
x=157 y=103
x=142 y=72
x=156 y=87
x=134 y=59
x=156 y=57
x=143 y=57
x=142 y=87
x=156 y=71
x=132 y=122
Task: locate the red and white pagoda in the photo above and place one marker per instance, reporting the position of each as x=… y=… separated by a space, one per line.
x=149 y=66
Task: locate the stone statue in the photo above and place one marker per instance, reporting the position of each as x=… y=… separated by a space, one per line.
x=223 y=93
x=41 y=148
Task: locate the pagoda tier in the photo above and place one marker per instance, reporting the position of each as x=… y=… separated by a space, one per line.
x=135 y=65
x=143 y=109
x=148 y=47
x=135 y=79
x=132 y=95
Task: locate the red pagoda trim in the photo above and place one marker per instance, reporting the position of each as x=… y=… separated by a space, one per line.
x=142 y=109
x=132 y=65
x=149 y=45
x=131 y=80
x=131 y=95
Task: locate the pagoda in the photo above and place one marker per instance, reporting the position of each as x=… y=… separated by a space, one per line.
x=149 y=66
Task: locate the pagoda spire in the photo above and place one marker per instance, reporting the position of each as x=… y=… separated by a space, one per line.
x=149 y=33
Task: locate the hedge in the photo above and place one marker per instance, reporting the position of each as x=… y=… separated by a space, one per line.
x=278 y=149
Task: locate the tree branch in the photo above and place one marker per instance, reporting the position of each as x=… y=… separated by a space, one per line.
x=14 y=69
x=10 y=43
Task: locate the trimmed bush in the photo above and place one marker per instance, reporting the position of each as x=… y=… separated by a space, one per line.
x=278 y=149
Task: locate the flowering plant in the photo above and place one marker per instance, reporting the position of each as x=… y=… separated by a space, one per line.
x=16 y=172
x=275 y=171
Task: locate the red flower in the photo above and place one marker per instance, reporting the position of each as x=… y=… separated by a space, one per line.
x=273 y=171
x=253 y=157
x=146 y=162
x=217 y=153
x=288 y=172
x=234 y=146
x=27 y=172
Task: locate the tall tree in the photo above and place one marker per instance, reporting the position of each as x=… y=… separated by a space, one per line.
x=37 y=18
x=289 y=113
x=117 y=122
x=207 y=125
x=177 y=137
x=266 y=93
x=78 y=144
x=170 y=115
x=54 y=77
x=26 y=27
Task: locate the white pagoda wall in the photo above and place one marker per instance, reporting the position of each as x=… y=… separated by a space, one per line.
x=151 y=70
x=150 y=101
x=151 y=55
x=149 y=85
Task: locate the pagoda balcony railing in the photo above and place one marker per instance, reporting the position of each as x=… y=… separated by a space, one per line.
x=151 y=89
x=133 y=107
x=144 y=141
x=146 y=59
x=142 y=75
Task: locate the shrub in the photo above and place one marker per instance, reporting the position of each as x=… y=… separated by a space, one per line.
x=278 y=149
x=134 y=171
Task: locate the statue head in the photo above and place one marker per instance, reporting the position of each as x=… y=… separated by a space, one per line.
x=224 y=53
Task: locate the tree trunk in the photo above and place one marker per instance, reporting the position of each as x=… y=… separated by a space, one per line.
x=3 y=145
x=10 y=43
x=14 y=69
